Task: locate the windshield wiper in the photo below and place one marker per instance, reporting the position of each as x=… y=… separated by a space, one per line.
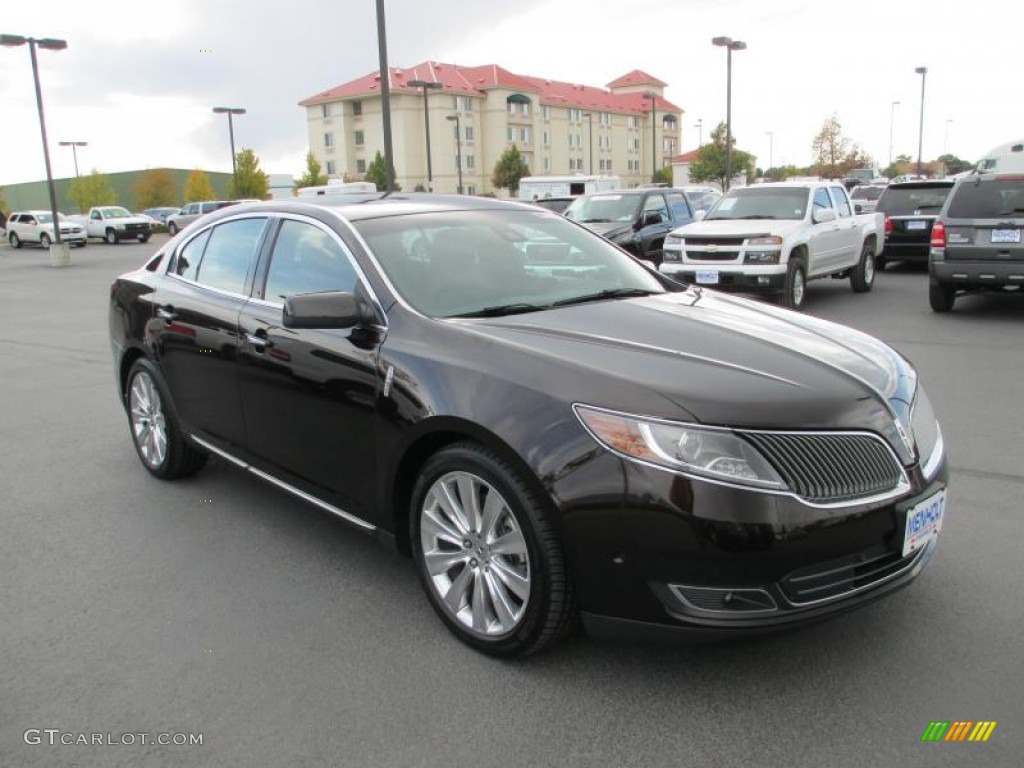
x=755 y=216
x=610 y=293
x=504 y=309
x=596 y=221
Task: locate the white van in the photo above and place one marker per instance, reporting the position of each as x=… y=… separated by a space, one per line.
x=1006 y=158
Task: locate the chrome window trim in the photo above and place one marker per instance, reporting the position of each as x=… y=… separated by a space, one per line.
x=267 y=215
x=901 y=488
x=284 y=486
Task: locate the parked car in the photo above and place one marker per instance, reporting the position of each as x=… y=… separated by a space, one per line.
x=773 y=238
x=865 y=197
x=910 y=207
x=545 y=425
x=701 y=199
x=192 y=211
x=113 y=224
x=976 y=240
x=161 y=213
x=634 y=219
x=37 y=227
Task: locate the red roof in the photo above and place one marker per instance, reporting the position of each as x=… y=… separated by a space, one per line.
x=686 y=157
x=475 y=80
x=636 y=77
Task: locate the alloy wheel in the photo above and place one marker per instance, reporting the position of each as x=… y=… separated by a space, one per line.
x=149 y=425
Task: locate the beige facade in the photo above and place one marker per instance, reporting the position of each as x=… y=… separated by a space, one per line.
x=555 y=135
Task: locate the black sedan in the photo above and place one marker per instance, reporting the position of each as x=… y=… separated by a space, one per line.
x=550 y=429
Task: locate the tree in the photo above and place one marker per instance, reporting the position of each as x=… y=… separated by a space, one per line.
x=249 y=181
x=377 y=173
x=155 y=188
x=834 y=154
x=709 y=164
x=664 y=175
x=312 y=177
x=90 y=190
x=954 y=164
x=509 y=169
x=3 y=201
x=198 y=187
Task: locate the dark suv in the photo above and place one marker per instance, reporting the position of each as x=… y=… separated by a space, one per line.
x=976 y=241
x=910 y=207
x=634 y=219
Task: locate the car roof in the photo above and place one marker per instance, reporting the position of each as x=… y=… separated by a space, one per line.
x=921 y=183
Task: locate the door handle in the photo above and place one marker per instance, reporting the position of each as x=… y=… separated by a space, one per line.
x=259 y=341
x=166 y=313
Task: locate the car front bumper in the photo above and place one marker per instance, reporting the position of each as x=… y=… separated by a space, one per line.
x=743 y=282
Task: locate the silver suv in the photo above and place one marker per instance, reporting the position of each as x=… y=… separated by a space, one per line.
x=37 y=227
x=192 y=211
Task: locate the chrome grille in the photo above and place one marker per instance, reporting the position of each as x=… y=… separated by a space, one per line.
x=827 y=467
x=827 y=581
x=734 y=242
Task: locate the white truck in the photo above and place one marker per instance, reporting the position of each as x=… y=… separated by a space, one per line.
x=773 y=238
x=114 y=224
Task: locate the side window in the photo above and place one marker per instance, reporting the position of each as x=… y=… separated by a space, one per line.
x=15 y=218
x=655 y=204
x=95 y=215
x=677 y=202
x=842 y=202
x=230 y=252
x=186 y=264
x=307 y=259
x=821 y=201
x=192 y=208
x=28 y=219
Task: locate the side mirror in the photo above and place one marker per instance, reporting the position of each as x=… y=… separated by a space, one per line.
x=650 y=218
x=858 y=208
x=330 y=309
x=823 y=215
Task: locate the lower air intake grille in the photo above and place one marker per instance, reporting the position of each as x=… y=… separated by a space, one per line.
x=826 y=581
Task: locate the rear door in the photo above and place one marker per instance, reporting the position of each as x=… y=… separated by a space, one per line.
x=848 y=242
x=985 y=220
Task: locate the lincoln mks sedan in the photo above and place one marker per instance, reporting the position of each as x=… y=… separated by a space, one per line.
x=550 y=430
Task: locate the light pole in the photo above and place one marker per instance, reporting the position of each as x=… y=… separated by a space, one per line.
x=74 y=152
x=771 y=149
x=229 y=111
x=49 y=44
x=427 y=85
x=923 y=72
x=699 y=125
x=458 y=147
x=590 y=138
x=945 y=140
x=654 y=136
x=892 y=122
x=730 y=45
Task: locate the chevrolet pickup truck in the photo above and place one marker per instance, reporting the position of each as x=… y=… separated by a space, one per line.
x=773 y=238
x=114 y=224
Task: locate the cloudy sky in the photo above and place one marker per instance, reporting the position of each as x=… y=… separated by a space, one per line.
x=138 y=79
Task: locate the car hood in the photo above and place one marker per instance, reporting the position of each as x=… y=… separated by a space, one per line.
x=738 y=227
x=719 y=359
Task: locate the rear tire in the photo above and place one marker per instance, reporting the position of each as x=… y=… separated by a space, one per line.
x=880 y=262
x=863 y=275
x=941 y=296
x=44 y=241
x=796 y=284
x=143 y=238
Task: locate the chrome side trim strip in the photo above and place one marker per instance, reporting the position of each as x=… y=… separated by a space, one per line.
x=285 y=486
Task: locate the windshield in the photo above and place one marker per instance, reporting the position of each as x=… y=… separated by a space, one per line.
x=988 y=199
x=866 y=193
x=765 y=202
x=603 y=208
x=913 y=200
x=115 y=213
x=499 y=262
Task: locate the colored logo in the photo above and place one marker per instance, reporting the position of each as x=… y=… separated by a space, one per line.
x=958 y=730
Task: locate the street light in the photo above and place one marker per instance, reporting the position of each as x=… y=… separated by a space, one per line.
x=945 y=140
x=458 y=146
x=730 y=45
x=74 y=152
x=922 y=71
x=49 y=44
x=892 y=120
x=427 y=85
x=699 y=125
x=229 y=111
x=590 y=138
x=654 y=137
x=771 y=149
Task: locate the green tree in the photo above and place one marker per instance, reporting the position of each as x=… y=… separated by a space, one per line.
x=829 y=148
x=664 y=175
x=155 y=188
x=954 y=164
x=197 y=187
x=312 y=177
x=92 y=189
x=709 y=164
x=509 y=169
x=249 y=180
x=377 y=173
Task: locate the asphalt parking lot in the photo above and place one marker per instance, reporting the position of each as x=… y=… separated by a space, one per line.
x=222 y=607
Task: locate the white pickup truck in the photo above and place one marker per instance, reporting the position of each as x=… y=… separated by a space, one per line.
x=773 y=238
x=114 y=224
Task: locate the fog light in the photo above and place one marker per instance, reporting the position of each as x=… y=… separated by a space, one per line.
x=762 y=280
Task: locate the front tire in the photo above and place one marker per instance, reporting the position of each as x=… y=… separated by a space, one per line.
x=111 y=237
x=487 y=554
x=14 y=240
x=941 y=296
x=44 y=241
x=159 y=441
x=795 y=289
x=143 y=238
x=172 y=228
x=863 y=275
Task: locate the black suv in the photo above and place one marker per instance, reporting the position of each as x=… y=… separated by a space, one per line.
x=910 y=207
x=976 y=241
x=634 y=219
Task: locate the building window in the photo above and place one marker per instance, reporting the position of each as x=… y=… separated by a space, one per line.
x=329 y=140
x=357 y=108
x=470 y=162
x=331 y=168
x=471 y=189
x=524 y=135
x=606 y=118
x=668 y=146
x=547 y=163
x=632 y=121
x=360 y=138
x=547 y=139
x=545 y=112
x=525 y=108
x=575 y=115
x=360 y=165
x=636 y=144
x=469 y=133
x=462 y=103
x=325 y=110
x=510 y=133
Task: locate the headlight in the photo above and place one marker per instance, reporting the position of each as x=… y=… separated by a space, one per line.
x=705 y=451
x=767 y=240
x=673 y=241
x=761 y=257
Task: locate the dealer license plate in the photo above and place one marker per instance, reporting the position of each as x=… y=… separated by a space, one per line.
x=707 y=276
x=917 y=224
x=924 y=520
x=1005 y=235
